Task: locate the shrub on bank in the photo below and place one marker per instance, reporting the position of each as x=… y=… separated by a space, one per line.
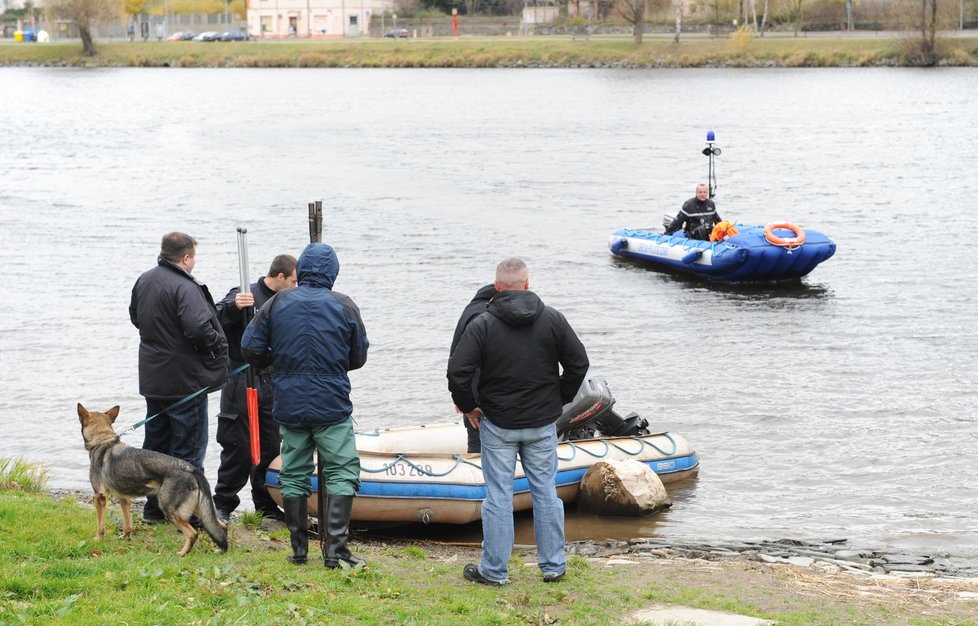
x=22 y=475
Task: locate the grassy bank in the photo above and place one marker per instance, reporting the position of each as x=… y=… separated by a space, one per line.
x=53 y=572
x=738 y=51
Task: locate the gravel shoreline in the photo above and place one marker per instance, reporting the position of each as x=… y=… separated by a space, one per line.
x=832 y=556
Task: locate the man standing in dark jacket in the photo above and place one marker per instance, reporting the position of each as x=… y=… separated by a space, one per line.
x=182 y=350
x=520 y=345
x=474 y=309
x=233 y=430
x=313 y=336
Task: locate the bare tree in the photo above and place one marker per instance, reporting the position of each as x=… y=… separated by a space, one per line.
x=923 y=19
x=764 y=18
x=633 y=12
x=716 y=6
x=678 y=5
x=928 y=31
x=796 y=9
x=84 y=14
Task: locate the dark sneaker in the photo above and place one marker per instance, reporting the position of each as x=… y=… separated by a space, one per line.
x=224 y=516
x=471 y=572
x=553 y=578
x=153 y=521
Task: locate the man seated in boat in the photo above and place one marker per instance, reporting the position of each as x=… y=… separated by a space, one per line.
x=697 y=217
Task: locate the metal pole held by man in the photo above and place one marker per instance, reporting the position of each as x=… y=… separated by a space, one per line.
x=316 y=236
x=248 y=312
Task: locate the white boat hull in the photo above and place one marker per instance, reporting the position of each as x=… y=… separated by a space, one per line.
x=416 y=474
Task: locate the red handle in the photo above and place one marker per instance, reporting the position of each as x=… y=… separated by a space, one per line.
x=253 y=425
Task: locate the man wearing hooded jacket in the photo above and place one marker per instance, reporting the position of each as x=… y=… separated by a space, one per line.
x=312 y=336
x=520 y=344
x=475 y=308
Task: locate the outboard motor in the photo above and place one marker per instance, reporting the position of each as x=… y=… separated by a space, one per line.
x=591 y=409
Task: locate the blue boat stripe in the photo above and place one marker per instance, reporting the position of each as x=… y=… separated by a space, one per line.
x=477 y=492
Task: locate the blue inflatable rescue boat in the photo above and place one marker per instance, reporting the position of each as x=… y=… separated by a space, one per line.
x=778 y=251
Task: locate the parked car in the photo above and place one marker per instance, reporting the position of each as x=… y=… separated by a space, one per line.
x=398 y=32
x=207 y=35
x=188 y=35
x=234 y=35
x=177 y=36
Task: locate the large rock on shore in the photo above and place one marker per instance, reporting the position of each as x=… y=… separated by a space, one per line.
x=625 y=488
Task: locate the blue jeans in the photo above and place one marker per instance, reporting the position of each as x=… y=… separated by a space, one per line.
x=537 y=449
x=180 y=432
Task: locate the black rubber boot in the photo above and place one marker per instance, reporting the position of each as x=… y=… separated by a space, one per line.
x=338 y=509
x=297 y=519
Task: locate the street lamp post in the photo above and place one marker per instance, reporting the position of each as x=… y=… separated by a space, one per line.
x=226 y=26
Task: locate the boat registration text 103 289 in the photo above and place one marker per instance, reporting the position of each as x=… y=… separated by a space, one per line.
x=406 y=469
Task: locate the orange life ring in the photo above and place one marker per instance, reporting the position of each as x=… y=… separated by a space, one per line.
x=785 y=242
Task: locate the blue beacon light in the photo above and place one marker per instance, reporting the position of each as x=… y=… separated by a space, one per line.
x=710 y=136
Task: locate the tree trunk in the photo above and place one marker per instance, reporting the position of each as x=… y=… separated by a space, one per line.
x=932 y=35
x=753 y=10
x=639 y=31
x=679 y=19
x=88 y=45
x=764 y=18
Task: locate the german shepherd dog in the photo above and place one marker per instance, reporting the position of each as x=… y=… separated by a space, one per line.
x=125 y=473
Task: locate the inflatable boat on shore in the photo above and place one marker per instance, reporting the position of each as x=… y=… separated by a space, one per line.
x=422 y=474
x=779 y=251
x=414 y=474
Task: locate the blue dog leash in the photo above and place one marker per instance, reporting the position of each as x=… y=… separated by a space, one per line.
x=181 y=402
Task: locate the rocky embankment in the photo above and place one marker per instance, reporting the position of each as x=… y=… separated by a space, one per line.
x=829 y=556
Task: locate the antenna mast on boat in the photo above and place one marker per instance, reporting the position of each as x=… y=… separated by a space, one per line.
x=711 y=151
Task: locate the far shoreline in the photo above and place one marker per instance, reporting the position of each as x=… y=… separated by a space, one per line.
x=597 y=52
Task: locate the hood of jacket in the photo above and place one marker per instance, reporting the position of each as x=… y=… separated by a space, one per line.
x=317 y=266
x=517 y=308
x=485 y=294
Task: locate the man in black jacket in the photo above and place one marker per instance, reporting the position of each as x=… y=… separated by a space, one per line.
x=182 y=350
x=233 y=431
x=474 y=309
x=697 y=217
x=520 y=344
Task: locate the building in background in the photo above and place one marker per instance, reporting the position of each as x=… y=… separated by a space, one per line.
x=279 y=19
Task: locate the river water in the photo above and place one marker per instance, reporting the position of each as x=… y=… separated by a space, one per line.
x=843 y=406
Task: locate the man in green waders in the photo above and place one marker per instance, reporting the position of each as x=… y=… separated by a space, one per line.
x=312 y=336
